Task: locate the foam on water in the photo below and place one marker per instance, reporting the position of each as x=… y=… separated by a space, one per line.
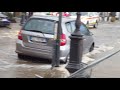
x=85 y=59
x=90 y=56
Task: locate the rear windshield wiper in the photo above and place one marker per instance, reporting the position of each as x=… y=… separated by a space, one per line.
x=34 y=31
x=37 y=31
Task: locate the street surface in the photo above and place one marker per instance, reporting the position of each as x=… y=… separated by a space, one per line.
x=107 y=38
x=110 y=68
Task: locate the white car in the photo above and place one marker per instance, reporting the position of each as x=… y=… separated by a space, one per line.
x=117 y=15
x=4 y=20
x=40 y=13
x=88 y=18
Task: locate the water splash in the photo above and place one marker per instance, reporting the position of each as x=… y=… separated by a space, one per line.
x=91 y=55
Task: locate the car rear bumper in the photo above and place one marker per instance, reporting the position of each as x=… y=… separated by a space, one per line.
x=21 y=49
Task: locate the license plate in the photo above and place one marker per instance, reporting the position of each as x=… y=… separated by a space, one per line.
x=36 y=39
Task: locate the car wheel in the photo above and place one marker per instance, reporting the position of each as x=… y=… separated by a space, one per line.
x=66 y=59
x=91 y=48
x=21 y=56
x=95 y=25
x=87 y=24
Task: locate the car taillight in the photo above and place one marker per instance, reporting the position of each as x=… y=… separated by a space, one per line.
x=63 y=40
x=20 y=35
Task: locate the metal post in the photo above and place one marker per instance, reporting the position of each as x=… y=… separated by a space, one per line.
x=56 y=46
x=76 y=48
x=23 y=18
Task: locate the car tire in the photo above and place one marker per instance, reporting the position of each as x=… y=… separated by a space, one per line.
x=66 y=59
x=21 y=56
x=91 y=48
x=87 y=24
x=95 y=25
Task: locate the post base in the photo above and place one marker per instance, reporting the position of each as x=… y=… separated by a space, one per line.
x=57 y=72
x=74 y=67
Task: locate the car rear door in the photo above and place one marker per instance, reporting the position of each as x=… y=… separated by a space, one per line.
x=88 y=40
x=71 y=28
x=38 y=34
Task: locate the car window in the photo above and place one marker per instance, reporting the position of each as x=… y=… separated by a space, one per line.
x=45 y=26
x=72 y=13
x=96 y=13
x=84 y=13
x=69 y=27
x=91 y=14
x=73 y=26
x=84 y=30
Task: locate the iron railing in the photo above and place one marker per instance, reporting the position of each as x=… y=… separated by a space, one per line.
x=81 y=72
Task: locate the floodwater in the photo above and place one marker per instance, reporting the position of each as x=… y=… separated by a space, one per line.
x=12 y=67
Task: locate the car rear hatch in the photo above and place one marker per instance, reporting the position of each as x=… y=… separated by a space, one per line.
x=38 y=34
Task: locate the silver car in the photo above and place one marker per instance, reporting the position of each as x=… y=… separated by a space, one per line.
x=37 y=36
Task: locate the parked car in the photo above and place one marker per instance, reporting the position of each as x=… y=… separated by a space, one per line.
x=88 y=18
x=64 y=14
x=4 y=20
x=117 y=15
x=38 y=33
x=41 y=13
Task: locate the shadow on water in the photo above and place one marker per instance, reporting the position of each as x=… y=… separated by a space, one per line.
x=91 y=28
x=5 y=27
x=35 y=60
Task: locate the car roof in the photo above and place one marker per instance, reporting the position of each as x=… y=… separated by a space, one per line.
x=54 y=18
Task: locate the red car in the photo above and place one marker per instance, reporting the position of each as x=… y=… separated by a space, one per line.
x=66 y=14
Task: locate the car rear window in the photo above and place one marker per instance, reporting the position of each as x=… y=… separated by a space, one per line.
x=45 y=26
x=84 y=13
